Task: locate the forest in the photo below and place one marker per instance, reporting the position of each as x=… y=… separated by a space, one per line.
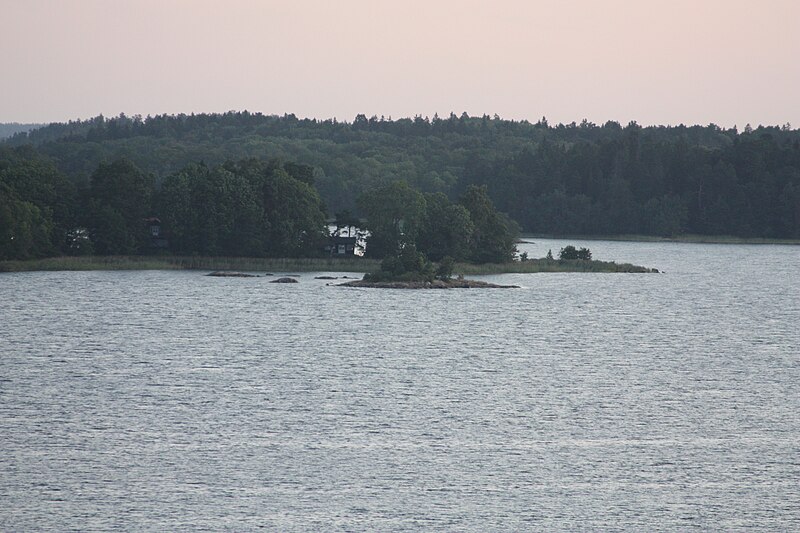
x=251 y=184
x=246 y=208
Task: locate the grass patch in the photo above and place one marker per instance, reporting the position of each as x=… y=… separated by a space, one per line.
x=533 y=266
x=257 y=264
x=355 y=264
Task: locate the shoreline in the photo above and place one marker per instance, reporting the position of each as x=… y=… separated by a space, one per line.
x=171 y=262
x=255 y=264
x=689 y=239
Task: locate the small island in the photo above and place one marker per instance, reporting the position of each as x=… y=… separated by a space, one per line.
x=410 y=269
x=423 y=239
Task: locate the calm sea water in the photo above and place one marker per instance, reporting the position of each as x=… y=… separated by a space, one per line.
x=173 y=401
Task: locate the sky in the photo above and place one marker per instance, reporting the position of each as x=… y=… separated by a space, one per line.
x=728 y=62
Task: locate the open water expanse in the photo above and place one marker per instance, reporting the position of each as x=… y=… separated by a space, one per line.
x=166 y=400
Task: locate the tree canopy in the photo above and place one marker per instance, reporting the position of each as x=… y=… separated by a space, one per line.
x=471 y=230
x=247 y=208
x=101 y=174
x=244 y=208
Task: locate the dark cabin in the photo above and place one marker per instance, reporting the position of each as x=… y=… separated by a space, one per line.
x=341 y=246
x=157 y=237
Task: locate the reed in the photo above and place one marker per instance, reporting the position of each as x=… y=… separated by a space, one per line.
x=306 y=264
x=533 y=266
x=167 y=262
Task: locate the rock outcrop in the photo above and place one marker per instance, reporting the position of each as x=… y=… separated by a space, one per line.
x=230 y=274
x=436 y=284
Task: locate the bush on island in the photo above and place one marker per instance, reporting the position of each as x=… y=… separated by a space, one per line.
x=569 y=253
x=407 y=265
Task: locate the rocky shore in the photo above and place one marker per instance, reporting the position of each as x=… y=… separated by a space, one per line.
x=230 y=274
x=436 y=284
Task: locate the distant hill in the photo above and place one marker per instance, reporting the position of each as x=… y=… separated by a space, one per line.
x=578 y=178
x=12 y=128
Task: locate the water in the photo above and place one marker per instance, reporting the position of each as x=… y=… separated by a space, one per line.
x=174 y=401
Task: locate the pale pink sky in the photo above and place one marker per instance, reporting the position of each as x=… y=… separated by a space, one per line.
x=656 y=62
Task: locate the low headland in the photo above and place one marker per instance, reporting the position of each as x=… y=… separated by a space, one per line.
x=685 y=238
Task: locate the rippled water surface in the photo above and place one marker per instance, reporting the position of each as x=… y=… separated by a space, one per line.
x=171 y=400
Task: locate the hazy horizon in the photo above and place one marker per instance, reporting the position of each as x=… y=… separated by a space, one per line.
x=443 y=116
x=656 y=63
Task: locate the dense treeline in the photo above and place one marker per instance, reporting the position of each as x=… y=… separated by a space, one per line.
x=249 y=208
x=563 y=179
x=630 y=184
x=245 y=208
x=37 y=205
x=8 y=129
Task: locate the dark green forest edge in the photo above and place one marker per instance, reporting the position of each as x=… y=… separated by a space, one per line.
x=249 y=185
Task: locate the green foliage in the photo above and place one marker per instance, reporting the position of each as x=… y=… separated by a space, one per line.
x=473 y=230
x=304 y=173
x=446 y=229
x=120 y=196
x=567 y=253
x=37 y=203
x=249 y=208
x=394 y=213
x=24 y=231
x=666 y=215
x=494 y=235
x=407 y=265
x=399 y=217
x=212 y=211
x=110 y=232
x=582 y=178
x=570 y=253
x=296 y=216
x=445 y=269
x=559 y=179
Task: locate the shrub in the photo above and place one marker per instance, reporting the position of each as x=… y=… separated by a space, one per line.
x=407 y=265
x=445 y=270
x=569 y=252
